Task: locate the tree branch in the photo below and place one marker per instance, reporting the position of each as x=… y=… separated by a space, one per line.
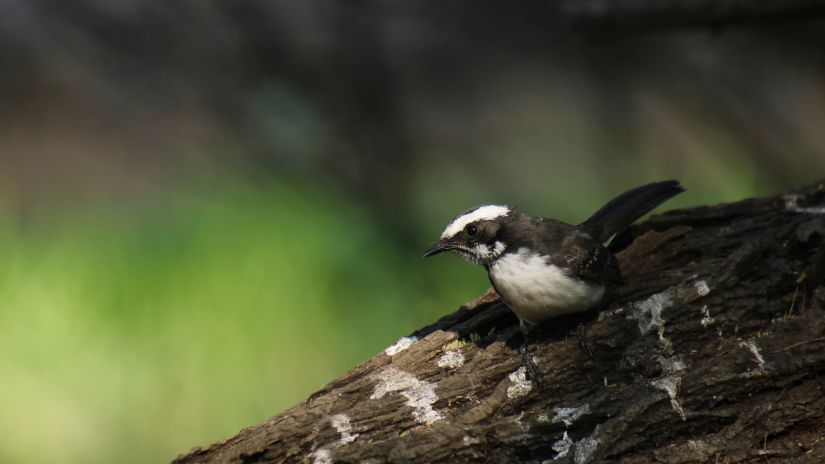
x=699 y=358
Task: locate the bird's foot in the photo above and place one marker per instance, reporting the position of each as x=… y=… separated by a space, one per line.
x=584 y=342
x=530 y=368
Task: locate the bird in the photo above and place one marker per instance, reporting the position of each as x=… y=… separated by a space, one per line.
x=541 y=267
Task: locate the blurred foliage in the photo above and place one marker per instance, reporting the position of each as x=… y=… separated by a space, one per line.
x=130 y=337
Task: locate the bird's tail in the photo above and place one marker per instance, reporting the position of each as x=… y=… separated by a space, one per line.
x=623 y=210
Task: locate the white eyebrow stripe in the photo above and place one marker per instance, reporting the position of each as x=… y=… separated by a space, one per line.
x=479 y=214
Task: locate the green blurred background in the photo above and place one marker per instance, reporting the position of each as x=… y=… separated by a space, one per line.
x=209 y=209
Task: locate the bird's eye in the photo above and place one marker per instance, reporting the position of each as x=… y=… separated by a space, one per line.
x=472 y=230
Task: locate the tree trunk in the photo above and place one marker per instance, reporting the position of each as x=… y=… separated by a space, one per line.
x=712 y=351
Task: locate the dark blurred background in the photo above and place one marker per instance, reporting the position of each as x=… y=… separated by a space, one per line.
x=208 y=209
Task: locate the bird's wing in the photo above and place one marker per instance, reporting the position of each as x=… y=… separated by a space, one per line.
x=589 y=259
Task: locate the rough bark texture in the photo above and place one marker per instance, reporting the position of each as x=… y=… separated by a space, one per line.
x=713 y=351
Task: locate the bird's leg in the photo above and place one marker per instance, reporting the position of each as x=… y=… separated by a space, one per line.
x=526 y=360
x=584 y=342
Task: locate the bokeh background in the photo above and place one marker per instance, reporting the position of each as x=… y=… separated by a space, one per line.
x=209 y=209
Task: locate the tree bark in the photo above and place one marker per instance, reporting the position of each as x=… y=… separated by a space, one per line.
x=712 y=351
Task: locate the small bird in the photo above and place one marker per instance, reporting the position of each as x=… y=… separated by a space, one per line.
x=543 y=267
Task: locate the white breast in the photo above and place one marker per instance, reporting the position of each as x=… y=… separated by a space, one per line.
x=536 y=290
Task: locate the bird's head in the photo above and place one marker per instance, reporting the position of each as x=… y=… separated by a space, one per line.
x=474 y=235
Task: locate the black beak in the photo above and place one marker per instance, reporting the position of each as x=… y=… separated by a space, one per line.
x=436 y=249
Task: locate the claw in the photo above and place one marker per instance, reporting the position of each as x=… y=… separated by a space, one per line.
x=530 y=368
x=526 y=360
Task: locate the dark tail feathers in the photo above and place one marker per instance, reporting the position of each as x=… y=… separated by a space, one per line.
x=621 y=211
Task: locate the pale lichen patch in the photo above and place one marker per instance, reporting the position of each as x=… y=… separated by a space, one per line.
x=586 y=447
x=419 y=393
x=792 y=204
x=402 y=344
x=451 y=359
x=562 y=447
x=520 y=386
x=342 y=425
x=670 y=385
x=701 y=287
x=322 y=456
x=610 y=313
x=699 y=445
x=648 y=314
x=467 y=440
x=569 y=415
x=521 y=425
x=672 y=364
x=757 y=356
x=706 y=319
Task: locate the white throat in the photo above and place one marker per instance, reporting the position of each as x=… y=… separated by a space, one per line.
x=482 y=253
